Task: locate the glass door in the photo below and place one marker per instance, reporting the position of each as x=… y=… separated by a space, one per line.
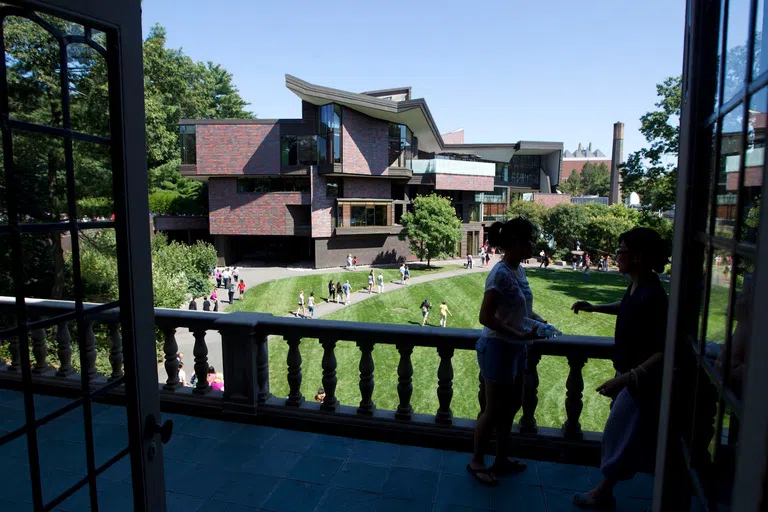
x=74 y=173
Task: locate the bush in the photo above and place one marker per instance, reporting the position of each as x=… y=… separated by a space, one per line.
x=161 y=201
x=95 y=207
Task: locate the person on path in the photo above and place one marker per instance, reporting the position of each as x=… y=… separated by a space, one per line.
x=182 y=375
x=349 y=261
x=354 y=263
x=215 y=380
x=331 y=291
x=226 y=276
x=215 y=306
x=487 y=259
x=347 y=292
x=235 y=274
x=300 y=311
x=542 y=255
x=339 y=292
x=231 y=290
x=193 y=305
x=607 y=262
x=407 y=275
x=214 y=295
x=425 y=307
x=206 y=304
x=370 y=281
x=311 y=304
x=629 y=438
x=380 y=283
x=469 y=261
x=218 y=278
x=241 y=289
x=402 y=273
x=502 y=349
x=547 y=261
x=586 y=273
x=444 y=314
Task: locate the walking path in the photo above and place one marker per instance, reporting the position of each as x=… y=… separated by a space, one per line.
x=254 y=276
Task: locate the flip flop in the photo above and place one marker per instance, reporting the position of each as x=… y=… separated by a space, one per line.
x=483 y=471
x=590 y=503
x=509 y=467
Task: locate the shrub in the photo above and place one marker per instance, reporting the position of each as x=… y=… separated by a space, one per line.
x=95 y=207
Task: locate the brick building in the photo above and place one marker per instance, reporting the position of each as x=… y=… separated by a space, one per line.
x=338 y=180
x=573 y=161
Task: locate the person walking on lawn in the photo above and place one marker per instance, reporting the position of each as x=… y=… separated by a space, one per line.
x=331 y=291
x=425 y=307
x=380 y=285
x=402 y=273
x=444 y=314
x=300 y=311
x=311 y=304
x=407 y=274
x=339 y=292
x=347 y=292
x=241 y=288
x=370 y=281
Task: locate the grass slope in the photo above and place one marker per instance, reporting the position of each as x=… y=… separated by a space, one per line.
x=280 y=297
x=554 y=292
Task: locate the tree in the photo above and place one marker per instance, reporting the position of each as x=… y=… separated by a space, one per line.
x=596 y=179
x=652 y=171
x=432 y=229
x=565 y=224
x=572 y=185
x=534 y=212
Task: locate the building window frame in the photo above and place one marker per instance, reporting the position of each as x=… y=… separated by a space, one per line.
x=188 y=143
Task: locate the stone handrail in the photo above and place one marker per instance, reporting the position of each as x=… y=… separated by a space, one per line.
x=246 y=363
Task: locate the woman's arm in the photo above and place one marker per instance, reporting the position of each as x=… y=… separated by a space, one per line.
x=488 y=318
x=608 y=309
x=538 y=317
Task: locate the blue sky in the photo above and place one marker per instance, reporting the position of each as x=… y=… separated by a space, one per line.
x=557 y=70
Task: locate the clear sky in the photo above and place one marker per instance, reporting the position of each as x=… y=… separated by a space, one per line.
x=504 y=70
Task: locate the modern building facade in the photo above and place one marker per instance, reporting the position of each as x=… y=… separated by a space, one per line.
x=338 y=180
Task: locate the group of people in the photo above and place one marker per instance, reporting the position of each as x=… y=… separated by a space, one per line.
x=444 y=312
x=229 y=280
x=379 y=282
x=405 y=274
x=351 y=262
x=210 y=303
x=339 y=293
x=507 y=314
x=215 y=380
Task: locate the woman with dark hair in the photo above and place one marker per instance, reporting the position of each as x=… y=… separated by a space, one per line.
x=629 y=438
x=501 y=350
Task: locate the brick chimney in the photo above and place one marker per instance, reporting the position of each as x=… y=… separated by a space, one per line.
x=617 y=157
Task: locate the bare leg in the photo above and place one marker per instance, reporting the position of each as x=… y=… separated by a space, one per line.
x=514 y=400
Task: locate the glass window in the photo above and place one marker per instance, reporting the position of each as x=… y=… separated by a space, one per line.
x=357 y=215
x=735 y=47
x=298 y=150
x=368 y=215
x=261 y=185
x=502 y=172
x=524 y=171
x=728 y=173
x=380 y=215
x=329 y=149
x=340 y=216
x=333 y=189
x=754 y=160
x=400 y=146
x=499 y=195
x=188 y=138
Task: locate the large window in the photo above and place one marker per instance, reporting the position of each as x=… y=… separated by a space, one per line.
x=298 y=150
x=188 y=136
x=400 y=146
x=333 y=189
x=368 y=215
x=524 y=171
x=329 y=134
x=499 y=195
x=265 y=184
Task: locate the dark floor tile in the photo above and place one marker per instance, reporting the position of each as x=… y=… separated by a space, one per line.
x=528 y=477
x=363 y=477
x=247 y=489
x=11 y=419
x=347 y=500
x=176 y=502
x=272 y=463
x=564 y=476
x=121 y=470
x=254 y=435
x=115 y=496
x=293 y=441
x=12 y=506
x=55 y=482
x=332 y=446
x=15 y=482
x=187 y=448
x=559 y=500
x=462 y=490
x=641 y=486
x=318 y=470
x=294 y=496
x=392 y=504
x=215 y=429
x=230 y=455
x=200 y=481
x=455 y=463
x=61 y=455
x=182 y=424
x=112 y=415
x=416 y=457
x=413 y=484
x=517 y=497
x=372 y=452
x=442 y=507
x=220 y=506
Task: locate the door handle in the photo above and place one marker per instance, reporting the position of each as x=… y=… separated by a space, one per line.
x=153 y=427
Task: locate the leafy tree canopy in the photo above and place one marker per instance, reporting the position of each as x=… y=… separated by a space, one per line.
x=593 y=180
x=431 y=228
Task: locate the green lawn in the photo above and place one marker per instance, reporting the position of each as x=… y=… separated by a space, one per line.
x=280 y=297
x=554 y=292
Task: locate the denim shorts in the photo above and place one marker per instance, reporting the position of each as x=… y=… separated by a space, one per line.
x=501 y=361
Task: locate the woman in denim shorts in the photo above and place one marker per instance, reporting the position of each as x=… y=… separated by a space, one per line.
x=502 y=347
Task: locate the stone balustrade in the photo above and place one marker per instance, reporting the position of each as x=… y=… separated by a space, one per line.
x=246 y=371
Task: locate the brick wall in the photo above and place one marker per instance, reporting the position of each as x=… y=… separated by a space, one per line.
x=551 y=199
x=231 y=213
x=238 y=149
x=455 y=137
x=568 y=167
x=365 y=144
x=460 y=182
x=366 y=187
x=378 y=249
x=322 y=206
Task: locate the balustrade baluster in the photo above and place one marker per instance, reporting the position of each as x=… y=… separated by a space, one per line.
x=295 y=398
x=171 y=349
x=39 y=350
x=89 y=351
x=329 y=375
x=574 y=385
x=481 y=393
x=262 y=367
x=200 y=353
x=404 y=382
x=64 y=350
x=115 y=350
x=445 y=385
x=530 y=394
x=366 y=378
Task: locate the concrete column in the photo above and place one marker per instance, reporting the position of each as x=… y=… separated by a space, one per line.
x=617 y=156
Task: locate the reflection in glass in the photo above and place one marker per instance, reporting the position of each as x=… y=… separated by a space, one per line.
x=728 y=173
x=400 y=154
x=711 y=173
x=736 y=47
x=368 y=215
x=188 y=137
x=719 y=287
x=329 y=134
x=754 y=161
x=759 y=64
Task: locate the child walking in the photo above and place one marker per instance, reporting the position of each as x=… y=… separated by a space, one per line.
x=444 y=314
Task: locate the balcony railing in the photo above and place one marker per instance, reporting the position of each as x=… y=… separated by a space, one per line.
x=244 y=338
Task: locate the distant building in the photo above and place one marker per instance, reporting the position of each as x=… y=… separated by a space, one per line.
x=573 y=161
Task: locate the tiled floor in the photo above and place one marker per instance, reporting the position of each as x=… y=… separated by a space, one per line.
x=213 y=465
